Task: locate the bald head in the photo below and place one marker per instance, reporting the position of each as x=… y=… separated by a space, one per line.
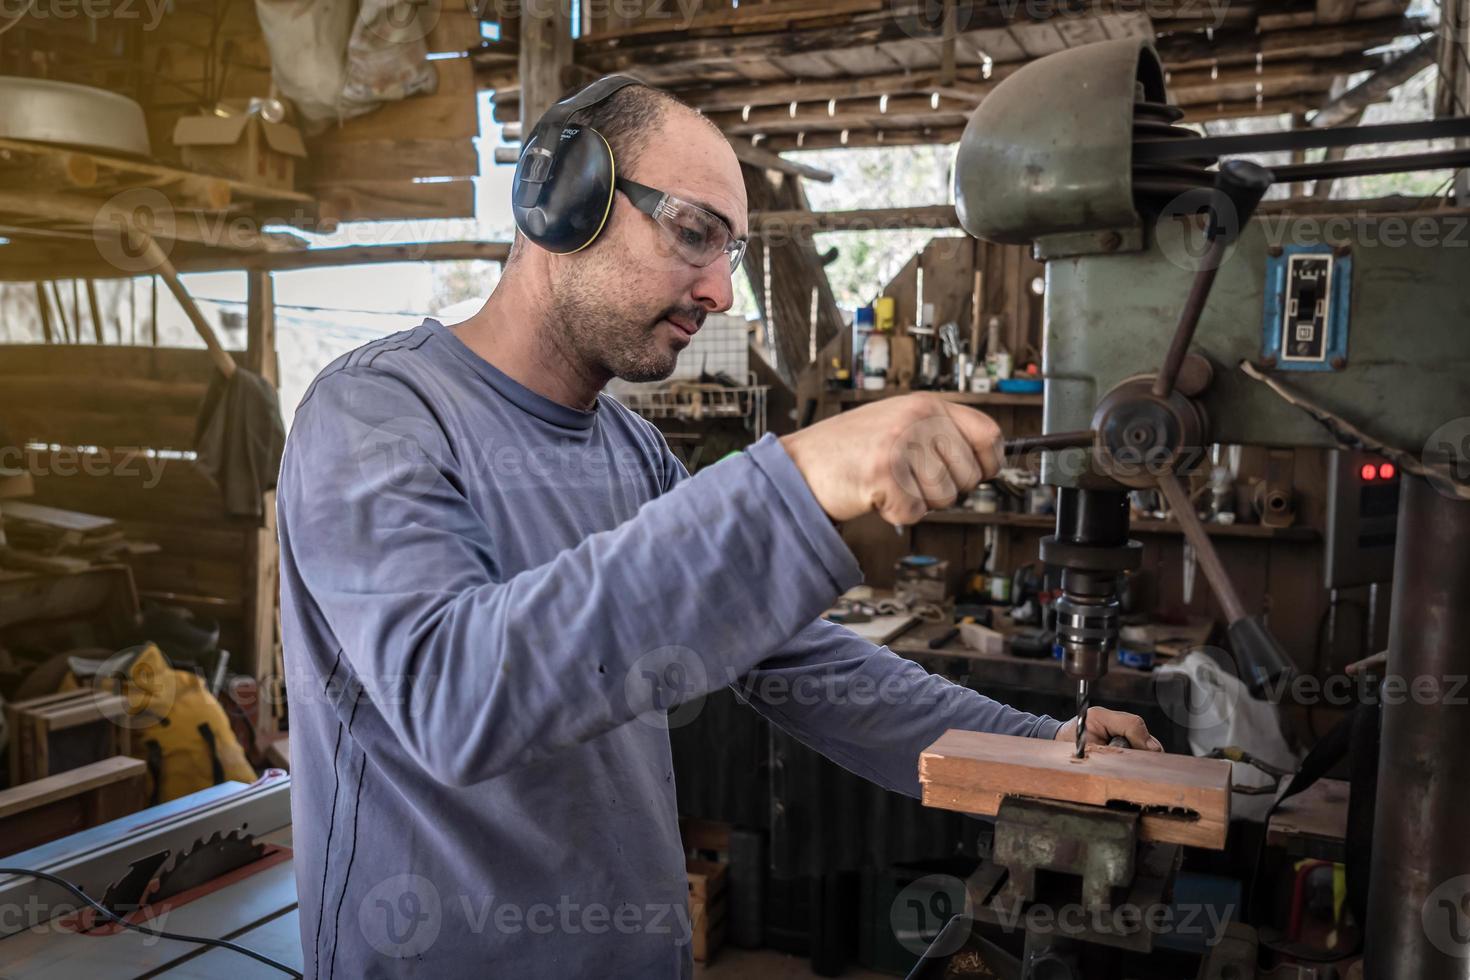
x=634 y=116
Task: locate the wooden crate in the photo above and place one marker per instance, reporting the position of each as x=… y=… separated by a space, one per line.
x=57 y=732
x=708 y=905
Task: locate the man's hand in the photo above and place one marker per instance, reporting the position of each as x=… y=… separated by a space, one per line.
x=1104 y=723
x=902 y=457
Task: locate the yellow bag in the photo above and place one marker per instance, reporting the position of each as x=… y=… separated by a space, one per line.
x=178 y=728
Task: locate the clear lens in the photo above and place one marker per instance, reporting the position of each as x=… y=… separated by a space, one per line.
x=698 y=236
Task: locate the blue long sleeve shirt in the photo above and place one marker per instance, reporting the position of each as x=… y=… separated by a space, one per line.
x=494 y=606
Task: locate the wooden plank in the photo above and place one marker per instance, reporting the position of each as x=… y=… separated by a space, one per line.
x=973 y=771
x=453 y=30
x=382 y=200
x=94 y=362
x=394 y=160
x=1335 y=11
x=449 y=114
x=745 y=152
x=546 y=49
x=55 y=517
x=869 y=219
x=47 y=809
x=75 y=782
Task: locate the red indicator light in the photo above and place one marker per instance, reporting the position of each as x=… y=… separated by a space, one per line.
x=1386 y=471
x=1369 y=472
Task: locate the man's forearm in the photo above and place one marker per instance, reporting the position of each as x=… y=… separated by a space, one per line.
x=868 y=709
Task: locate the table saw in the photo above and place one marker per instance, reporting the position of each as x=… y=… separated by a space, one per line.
x=221 y=861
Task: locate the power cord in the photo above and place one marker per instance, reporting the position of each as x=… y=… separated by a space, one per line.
x=157 y=933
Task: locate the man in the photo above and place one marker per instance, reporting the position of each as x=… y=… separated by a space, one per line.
x=495 y=579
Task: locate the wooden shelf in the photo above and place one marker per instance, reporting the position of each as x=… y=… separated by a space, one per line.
x=957 y=515
x=855 y=397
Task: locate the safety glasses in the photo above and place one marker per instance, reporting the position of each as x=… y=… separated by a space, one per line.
x=697 y=235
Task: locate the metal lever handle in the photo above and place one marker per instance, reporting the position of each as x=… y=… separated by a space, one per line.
x=1078 y=439
x=1239 y=186
x=1261 y=660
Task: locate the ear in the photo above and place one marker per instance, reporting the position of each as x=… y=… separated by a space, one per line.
x=574 y=203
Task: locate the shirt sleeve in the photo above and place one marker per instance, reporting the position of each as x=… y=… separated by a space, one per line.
x=868 y=709
x=863 y=706
x=388 y=552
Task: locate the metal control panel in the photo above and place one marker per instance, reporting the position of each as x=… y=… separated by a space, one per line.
x=1362 y=518
x=1308 y=290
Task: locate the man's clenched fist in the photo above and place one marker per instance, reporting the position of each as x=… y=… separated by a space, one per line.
x=901 y=456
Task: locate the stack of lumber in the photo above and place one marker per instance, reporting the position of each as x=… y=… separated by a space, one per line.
x=49 y=539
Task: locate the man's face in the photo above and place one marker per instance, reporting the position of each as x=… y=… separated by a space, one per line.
x=629 y=303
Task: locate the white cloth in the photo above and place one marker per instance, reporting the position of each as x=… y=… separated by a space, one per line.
x=1220 y=713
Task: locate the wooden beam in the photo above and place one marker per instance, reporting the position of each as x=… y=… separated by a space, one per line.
x=901 y=23
x=1180 y=51
x=1385 y=206
x=796 y=299
x=1234 y=82
x=1335 y=11
x=262 y=580
x=883 y=112
x=546 y=48
x=1376 y=87
x=277 y=261
x=861 y=137
x=1185 y=800
x=797 y=222
x=745 y=152
x=45 y=809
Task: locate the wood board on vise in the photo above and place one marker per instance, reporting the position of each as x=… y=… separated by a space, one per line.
x=973 y=771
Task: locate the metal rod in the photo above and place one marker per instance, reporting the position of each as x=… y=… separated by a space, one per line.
x=1204 y=549
x=1158 y=150
x=1082 y=701
x=1079 y=439
x=1194 y=306
x=1366 y=166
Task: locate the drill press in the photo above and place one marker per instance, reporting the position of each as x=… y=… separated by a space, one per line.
x=1296 y=331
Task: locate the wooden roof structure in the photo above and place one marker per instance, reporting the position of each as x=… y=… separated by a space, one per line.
x=797 y=74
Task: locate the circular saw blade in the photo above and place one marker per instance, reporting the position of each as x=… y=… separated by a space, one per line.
x=205 y=861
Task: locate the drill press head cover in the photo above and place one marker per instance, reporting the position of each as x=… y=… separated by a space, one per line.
x=1049 y=153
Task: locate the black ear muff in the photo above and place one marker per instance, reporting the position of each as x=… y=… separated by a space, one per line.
x=563 y=188
x=570 y=209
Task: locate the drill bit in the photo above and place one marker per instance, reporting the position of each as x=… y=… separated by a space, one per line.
x=1081 y=714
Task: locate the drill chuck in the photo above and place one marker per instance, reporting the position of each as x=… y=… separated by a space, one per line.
x=1087 y=632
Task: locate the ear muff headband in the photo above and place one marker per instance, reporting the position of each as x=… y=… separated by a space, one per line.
x=563 y=187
